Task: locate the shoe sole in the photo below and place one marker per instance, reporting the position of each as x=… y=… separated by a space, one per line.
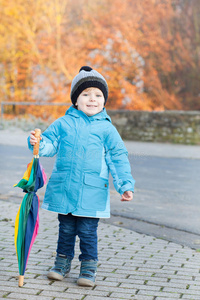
x=55 y=276
x=85 y=282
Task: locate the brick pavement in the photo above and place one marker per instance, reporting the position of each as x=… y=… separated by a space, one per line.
x=131 y=265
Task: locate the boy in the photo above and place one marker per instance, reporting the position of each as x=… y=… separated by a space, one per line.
x=88 y=146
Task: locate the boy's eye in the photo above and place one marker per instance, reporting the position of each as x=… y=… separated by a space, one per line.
x=98 y=95
x=85 y=94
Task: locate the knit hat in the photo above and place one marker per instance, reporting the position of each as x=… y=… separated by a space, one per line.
x=86 y=78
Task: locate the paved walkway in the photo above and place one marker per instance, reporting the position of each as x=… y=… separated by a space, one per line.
x=131 y=265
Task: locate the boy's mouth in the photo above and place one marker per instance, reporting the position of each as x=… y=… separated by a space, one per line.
x=91 y=105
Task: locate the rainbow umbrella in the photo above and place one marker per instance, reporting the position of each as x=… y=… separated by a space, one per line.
x=27 y=219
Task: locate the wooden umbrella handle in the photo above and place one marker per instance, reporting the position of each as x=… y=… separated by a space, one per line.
x=21 y=280
x=37 y=145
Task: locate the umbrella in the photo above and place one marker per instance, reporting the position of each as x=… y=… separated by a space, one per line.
x=27 y=219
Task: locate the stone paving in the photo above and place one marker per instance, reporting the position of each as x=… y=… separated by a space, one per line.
x=131 y=265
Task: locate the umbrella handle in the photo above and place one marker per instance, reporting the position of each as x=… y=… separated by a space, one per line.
x=37 y=145
x=21 y=280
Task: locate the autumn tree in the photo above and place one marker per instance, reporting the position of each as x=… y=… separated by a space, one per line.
x=183 y=80
x=148 y=50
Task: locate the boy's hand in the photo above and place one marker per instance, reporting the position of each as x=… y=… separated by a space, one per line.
x=33 y=139
x=127 y=196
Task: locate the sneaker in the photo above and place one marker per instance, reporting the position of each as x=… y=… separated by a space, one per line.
x=87 y=273
x=61 y=268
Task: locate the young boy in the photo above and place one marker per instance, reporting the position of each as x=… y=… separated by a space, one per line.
x=88 y=146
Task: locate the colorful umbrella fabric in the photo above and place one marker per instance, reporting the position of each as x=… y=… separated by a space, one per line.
x=27 y=219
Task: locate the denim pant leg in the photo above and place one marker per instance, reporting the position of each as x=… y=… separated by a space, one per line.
x=87 y=232
x=67 y=235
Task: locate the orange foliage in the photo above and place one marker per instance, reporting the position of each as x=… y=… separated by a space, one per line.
x=139 y=46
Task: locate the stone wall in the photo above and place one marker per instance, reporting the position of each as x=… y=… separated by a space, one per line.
x=168 y=126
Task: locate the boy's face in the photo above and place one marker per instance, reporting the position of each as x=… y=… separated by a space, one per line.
x=90 y=101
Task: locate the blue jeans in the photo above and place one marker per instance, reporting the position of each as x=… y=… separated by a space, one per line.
x=85 y=228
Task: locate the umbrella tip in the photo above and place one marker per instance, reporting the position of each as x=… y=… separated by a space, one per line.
x=21 y=280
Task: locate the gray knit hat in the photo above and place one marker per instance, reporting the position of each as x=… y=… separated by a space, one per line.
x=87 y=77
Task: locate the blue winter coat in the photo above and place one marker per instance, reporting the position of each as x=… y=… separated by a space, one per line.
x=87 y=148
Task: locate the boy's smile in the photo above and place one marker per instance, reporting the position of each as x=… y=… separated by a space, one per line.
x=91 y=101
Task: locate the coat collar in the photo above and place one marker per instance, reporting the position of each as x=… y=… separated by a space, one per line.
x=80 y=114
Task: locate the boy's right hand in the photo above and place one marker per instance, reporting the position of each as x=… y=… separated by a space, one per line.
x=33 y=139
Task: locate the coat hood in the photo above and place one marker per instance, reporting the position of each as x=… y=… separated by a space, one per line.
x=78 y=113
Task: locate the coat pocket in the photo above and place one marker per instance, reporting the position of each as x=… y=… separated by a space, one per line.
x=95 y=192
x=55 y=189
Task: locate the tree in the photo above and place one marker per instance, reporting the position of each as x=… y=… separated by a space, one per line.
x=147 y=50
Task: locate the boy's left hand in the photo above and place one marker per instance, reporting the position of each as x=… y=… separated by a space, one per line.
x=127 y=196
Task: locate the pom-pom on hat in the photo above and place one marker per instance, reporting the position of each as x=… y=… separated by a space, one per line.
x=86 y=78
